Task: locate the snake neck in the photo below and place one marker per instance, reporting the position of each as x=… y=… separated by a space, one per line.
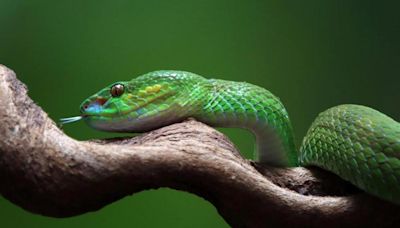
x=243 y=105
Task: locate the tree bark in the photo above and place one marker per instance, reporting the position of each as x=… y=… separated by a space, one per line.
x=44 y=171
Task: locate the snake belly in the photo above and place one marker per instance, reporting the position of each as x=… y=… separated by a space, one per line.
x=357 y=143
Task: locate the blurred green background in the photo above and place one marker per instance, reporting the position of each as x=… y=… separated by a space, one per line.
x=312 y=54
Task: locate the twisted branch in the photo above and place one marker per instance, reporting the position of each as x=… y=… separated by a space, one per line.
x=45 y=171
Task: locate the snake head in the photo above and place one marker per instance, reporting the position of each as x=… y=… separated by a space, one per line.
x=144 y=103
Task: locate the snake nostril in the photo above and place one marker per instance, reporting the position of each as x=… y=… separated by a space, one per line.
x=84 y=107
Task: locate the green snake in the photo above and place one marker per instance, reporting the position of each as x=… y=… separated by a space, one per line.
x=357 y=143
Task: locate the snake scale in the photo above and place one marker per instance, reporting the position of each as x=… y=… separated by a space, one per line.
x=357 y=143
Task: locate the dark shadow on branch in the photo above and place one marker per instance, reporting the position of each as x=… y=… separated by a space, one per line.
x=47 y=172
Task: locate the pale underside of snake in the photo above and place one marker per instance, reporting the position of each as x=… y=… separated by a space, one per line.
x=357 y=143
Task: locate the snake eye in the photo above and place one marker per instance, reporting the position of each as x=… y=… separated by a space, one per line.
x=117 y=90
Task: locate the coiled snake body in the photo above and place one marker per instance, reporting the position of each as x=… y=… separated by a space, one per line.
x=359 y=144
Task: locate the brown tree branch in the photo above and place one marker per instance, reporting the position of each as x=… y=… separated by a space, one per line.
x=47 y=172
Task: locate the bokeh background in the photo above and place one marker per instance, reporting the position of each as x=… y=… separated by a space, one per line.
x=312 y=54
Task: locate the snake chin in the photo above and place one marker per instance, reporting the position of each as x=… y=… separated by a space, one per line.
x=137 y=121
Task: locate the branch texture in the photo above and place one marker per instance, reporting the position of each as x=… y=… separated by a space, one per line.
x=45 y=171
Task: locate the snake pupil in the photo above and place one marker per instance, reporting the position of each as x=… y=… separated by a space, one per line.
x=117 y=90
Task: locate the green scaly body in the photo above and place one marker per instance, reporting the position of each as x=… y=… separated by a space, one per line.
x=355 y=142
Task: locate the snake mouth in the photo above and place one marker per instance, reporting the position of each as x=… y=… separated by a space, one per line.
x=121 y=113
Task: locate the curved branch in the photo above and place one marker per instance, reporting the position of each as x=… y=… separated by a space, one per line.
x=47 y=172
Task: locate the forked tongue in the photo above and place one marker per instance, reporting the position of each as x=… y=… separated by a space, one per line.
x=70 y=119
